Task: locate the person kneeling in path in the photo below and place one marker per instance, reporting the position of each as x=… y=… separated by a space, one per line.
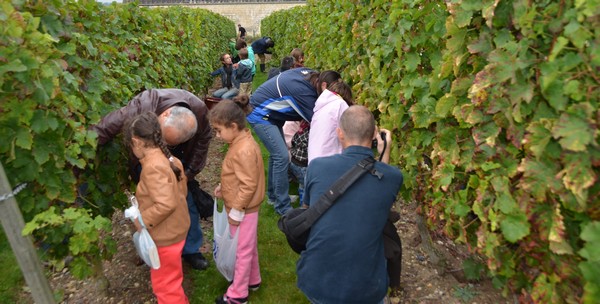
x=344 y=260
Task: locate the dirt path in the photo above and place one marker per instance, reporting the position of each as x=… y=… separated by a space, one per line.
x=422 y=282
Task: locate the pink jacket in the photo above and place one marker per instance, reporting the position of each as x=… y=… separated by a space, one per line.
x=322 y=139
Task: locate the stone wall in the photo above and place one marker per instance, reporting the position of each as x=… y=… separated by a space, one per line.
x=249 y=15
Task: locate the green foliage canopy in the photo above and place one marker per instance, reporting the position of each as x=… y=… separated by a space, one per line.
x=495 y=105
x=63 y=65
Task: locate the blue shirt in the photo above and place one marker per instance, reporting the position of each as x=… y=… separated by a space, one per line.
x=344 y=260
x=296 y=102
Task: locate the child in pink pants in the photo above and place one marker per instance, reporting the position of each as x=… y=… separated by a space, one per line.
x=243 y=190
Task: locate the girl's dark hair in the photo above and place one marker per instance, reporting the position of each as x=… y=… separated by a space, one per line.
x=342 y=89
x=228 y=111
x=298 y=56
x=328 y=77
x=146 y=127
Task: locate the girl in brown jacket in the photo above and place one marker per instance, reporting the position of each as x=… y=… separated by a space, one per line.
x=161 y=195
x=243 y=190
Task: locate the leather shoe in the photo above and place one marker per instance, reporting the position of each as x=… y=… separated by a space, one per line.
x=196 y=260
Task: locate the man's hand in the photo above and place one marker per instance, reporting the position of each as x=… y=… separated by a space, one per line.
x=190 y=176
x=380 y=144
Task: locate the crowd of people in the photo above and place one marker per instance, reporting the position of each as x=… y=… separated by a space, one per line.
x=311 y=128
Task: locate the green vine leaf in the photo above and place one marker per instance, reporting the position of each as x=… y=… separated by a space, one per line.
x=515 y=227
x=538 y=136
x=591 y=267
x=574 y=128
x=24 y=139
x=591 y=234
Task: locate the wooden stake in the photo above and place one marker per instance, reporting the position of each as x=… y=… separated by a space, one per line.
x=22 y=247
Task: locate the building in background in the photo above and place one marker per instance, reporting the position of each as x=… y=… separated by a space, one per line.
x=249 y=13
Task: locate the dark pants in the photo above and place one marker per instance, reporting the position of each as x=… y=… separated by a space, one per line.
x=392 y=247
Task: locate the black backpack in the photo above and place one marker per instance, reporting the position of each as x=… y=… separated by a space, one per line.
x=296 y=223
x=203 y=200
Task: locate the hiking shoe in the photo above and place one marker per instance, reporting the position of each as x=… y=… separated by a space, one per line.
x=196 y=260
x=254 y=287
x=227 y=300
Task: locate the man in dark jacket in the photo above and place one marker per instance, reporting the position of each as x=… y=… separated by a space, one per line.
x=286 y=64
x=260 y=47
x=185 y=128
x=242 y=31
x=344 y=260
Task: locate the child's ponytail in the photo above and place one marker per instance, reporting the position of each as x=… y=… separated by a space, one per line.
x=147 y=128
x=227 y=112
x=160 y=142
x=243 y=101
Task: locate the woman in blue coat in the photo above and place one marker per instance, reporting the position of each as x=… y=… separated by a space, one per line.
x=290 y=96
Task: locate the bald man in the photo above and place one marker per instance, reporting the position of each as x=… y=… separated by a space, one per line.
x=344 y=260
x=185 y=127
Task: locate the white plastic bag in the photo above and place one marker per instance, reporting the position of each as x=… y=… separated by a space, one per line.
x=144 y=245
x=224 y=245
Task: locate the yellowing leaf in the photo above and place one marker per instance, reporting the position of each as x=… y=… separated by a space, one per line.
x=545 y=290
x=443 y=176
x=556 y=237
x=539 y=177
x=578 y=174
x=574 y=128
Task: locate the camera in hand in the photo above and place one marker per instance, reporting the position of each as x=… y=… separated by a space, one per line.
x=374 y=143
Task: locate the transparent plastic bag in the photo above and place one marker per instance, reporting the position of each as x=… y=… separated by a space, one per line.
x=144 y=245
x=224 y=245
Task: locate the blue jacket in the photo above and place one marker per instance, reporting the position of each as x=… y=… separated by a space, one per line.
x=244 y=71
x=344 y=260
x=296 y=101
x=221 y=71
x=260 y=46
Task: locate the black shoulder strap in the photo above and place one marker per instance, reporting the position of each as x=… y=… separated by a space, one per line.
x=326 y=200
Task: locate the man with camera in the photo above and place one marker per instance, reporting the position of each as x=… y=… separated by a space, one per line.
x=344 y=259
